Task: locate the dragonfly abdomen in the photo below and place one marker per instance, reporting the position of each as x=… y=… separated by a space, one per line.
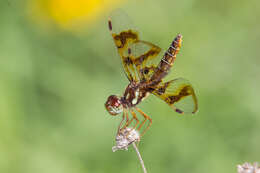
x=168 y=59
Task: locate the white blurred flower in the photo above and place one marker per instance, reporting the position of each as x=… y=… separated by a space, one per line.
x=126 y=137
x=248 y=168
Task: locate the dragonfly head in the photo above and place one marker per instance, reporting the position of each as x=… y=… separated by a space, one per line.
x=114 y=105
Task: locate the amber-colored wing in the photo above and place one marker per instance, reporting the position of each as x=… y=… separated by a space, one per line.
x=135 y=54
x=179 y=94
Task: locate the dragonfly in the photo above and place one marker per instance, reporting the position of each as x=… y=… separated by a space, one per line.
x=146 y=70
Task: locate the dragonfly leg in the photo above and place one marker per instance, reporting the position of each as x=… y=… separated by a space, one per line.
x=146 y=117
x=125 y=115
x=131 y=120
x=136 y=119
x=121 y=122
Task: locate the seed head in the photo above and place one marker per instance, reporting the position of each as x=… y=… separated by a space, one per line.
x=126 y=137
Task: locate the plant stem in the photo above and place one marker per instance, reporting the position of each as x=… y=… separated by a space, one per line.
x=139 y=157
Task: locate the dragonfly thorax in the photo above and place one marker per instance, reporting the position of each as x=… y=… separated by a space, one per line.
x=133 y=95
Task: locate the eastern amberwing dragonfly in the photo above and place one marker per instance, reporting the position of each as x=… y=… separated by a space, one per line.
x=146 y=75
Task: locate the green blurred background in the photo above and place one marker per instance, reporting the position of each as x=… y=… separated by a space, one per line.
x=59 y=64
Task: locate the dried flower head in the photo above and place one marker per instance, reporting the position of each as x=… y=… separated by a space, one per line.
x=125 y=137
x=248 y=168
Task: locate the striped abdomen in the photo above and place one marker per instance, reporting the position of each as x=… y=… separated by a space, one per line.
x=167 y=61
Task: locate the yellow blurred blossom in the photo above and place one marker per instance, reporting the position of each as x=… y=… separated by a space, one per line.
x=70 y=14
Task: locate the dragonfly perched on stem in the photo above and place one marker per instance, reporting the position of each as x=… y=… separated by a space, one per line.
x=145 y=75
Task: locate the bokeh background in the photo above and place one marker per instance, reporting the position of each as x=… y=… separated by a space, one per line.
x=58 y=65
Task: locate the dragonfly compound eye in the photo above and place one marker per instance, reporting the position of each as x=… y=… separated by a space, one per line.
x=113 y=105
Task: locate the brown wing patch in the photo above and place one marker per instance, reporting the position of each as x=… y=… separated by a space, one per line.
x=185 y=91
x=179 y=94
x=162 y=88
x=151 y=53
x=125 y=38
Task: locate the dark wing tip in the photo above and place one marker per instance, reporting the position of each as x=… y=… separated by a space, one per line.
x=194 y=112
x=109 y=24
x=179 y=111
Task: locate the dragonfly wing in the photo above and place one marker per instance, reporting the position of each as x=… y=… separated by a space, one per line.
x=136 y=55
x=178 y=94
